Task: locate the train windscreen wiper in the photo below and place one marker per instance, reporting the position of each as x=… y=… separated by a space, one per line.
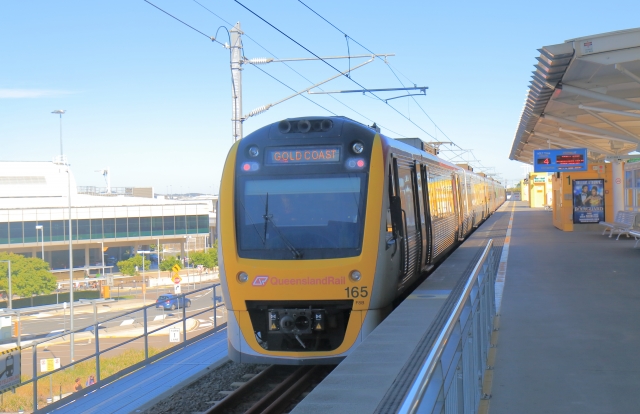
x=269 y=218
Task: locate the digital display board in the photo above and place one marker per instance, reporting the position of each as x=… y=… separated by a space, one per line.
x=562 y=160
x=302 y=155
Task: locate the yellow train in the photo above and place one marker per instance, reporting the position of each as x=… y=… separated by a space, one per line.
x=322 y=223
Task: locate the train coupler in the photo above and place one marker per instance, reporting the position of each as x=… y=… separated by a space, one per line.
x=296 y=321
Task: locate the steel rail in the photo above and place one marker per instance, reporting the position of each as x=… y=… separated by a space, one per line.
x=241 y=392
x=291 y=393
x=279 y=390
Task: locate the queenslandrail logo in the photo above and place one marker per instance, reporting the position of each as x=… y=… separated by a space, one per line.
x=305 y=281
x=260 y=280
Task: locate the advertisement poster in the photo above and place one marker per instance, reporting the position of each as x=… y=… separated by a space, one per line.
x=588 y=201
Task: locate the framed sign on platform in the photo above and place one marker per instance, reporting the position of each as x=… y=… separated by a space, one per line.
x=588 y=201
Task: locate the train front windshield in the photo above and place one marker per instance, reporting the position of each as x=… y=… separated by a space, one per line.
x=300 y=218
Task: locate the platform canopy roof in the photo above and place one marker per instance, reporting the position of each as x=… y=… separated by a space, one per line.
x=585 y=93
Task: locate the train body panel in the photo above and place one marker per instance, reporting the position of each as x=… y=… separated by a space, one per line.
x=322 y=223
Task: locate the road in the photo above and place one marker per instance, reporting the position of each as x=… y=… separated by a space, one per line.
x=52 y=323
x=118 y=323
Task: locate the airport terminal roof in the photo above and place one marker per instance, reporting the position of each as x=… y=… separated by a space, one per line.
x=82 y=200
x=34 y=185
x=585 y=93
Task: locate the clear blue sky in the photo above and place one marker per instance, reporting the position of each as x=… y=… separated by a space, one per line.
x=151 y=98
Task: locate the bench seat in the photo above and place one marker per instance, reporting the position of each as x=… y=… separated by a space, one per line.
x=623 y=223
x=636 y=235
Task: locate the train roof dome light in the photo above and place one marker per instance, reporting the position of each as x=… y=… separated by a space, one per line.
x=284 y=126
x=304 y=126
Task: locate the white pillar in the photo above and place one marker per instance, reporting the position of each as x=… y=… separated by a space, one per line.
x=617 y=175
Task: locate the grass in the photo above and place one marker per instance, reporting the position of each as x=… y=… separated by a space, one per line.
x=64 y=381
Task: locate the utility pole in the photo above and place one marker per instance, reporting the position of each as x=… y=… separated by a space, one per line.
x=236 y=78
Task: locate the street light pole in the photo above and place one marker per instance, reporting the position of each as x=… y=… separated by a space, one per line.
x=144 y=291
x=144 y=282
x=41 y=228
x=158 y=254
x=60 y=112
x=9 y=274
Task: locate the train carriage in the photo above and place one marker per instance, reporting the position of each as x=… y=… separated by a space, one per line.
x=323 y=223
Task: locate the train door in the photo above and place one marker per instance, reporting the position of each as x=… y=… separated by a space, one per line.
x=457 y=197
x=466 y=202
x=421 y=214
x=426 y=212
x=403 y=212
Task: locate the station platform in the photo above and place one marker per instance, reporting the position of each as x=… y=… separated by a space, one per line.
x=147 y=386
x=567 y=339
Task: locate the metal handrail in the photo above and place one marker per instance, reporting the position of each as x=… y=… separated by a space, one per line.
x=412 y=400
x=34 y=345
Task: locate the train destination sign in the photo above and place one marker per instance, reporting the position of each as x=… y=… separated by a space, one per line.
x=302 y=155
x=560 y=160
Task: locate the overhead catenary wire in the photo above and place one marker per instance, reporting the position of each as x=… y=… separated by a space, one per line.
x=213 y=39
x=394 y=74
x=230 y=47
x=301 y=75
x=333 y=67
x=369 y=50
x=347 y=37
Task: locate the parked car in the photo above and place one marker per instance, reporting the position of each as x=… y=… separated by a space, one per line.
x=170 y=301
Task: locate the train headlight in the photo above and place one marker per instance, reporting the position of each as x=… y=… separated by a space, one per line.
x=358 y=147
x=355 y=276
x=254 y=151
x=242 y=277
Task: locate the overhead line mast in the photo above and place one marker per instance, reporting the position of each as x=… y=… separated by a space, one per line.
x=237 y=60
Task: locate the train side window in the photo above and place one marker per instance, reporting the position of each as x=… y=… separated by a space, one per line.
x=392 y=183
x=406 y=195
x=392 y=193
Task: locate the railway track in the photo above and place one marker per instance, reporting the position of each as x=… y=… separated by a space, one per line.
x=272 y=391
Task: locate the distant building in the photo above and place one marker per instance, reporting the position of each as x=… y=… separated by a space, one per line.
x=110 y=227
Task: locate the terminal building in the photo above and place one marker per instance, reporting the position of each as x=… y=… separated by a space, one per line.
x=37 y=199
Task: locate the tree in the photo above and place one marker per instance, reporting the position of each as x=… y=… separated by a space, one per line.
x=29 y=275
x=128 y=267
x=201 y=258
x=169 y=262
x=208 y=259
x=213 y=251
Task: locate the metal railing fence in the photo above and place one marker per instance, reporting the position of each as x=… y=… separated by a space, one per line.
x=131 y=327
x=450 y=378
